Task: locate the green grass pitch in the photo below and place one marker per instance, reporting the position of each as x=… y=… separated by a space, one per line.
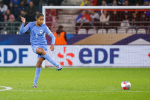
x=75 y=84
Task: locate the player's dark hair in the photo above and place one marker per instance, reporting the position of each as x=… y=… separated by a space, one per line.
x=39 y=15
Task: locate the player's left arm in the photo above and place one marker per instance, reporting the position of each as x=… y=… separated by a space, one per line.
x=52 y=36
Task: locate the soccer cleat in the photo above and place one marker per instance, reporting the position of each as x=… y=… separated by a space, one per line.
x=59 y=68
x=34 y=86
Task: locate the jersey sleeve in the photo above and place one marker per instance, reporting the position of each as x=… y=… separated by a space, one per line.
x=47 y=30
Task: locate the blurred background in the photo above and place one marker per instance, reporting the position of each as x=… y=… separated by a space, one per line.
x=78 y=29
x=11 y=10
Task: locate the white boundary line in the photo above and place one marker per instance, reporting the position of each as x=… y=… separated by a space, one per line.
x=6 y=88
x=9 y=88
x=78 y=91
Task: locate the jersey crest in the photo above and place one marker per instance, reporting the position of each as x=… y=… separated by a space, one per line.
x=41 y=31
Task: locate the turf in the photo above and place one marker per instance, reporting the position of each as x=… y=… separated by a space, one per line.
x=75 y=84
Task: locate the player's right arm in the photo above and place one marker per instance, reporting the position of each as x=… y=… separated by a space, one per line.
x=23 y=29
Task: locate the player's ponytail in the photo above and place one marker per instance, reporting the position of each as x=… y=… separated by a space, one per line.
x=39 y=15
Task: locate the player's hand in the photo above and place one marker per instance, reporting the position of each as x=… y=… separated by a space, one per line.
x=23 y=20
x=52 y=47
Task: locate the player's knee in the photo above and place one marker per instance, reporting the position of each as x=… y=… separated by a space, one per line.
x=41 y=51
x=39 y=63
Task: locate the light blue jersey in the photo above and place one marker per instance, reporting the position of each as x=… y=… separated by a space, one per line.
x=37 y=36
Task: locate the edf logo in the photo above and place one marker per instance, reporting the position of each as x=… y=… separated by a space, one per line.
x=8 y=59
x=83 y=57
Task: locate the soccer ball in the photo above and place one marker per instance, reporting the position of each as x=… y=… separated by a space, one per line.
x=125 y=85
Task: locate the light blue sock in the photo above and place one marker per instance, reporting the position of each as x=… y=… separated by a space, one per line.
x=50 y=60
x=37 y=74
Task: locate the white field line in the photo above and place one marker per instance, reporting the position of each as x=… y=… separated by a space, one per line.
x=5 y=88
x=77 y=91
x=10 y=89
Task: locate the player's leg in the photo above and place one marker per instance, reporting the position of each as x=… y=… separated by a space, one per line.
x=46 y=56
x=41 y=51
x=38 y=70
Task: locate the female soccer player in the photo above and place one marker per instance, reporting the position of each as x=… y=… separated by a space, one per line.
x=39 y=43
